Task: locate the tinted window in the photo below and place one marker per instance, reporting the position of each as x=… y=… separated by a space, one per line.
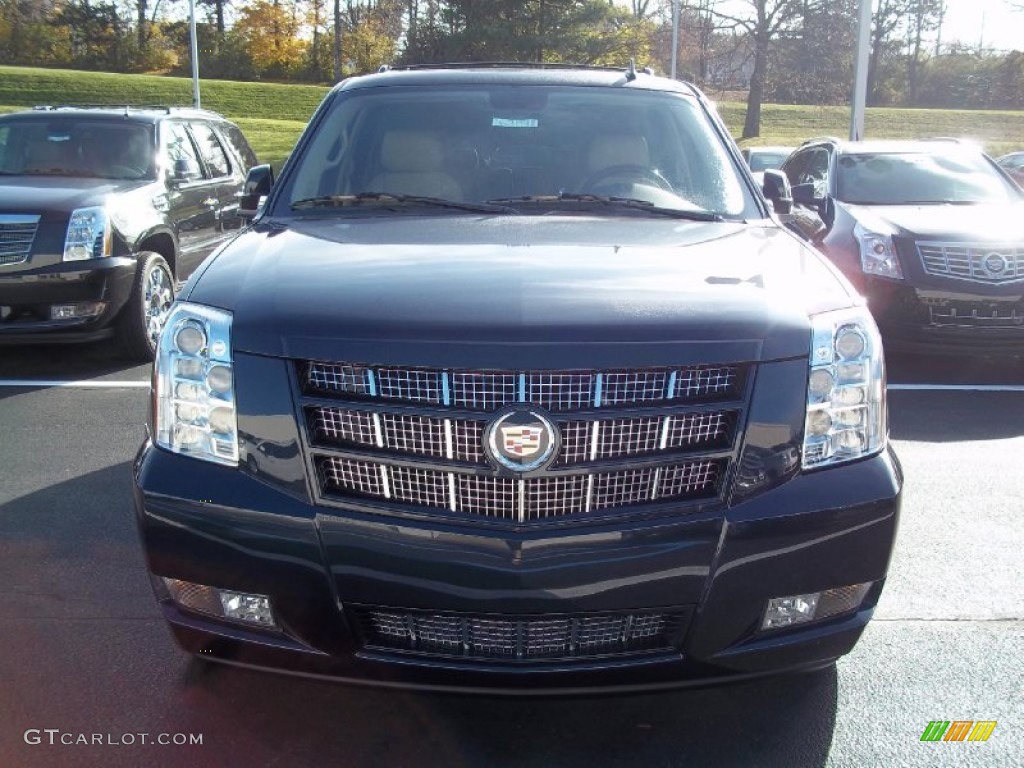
x=65 y=145
x=891 y=178
x=181 y=152
x=479 y=143
x=211 y=150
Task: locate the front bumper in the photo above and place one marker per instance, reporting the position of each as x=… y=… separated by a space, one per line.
x=946 y=321
x=26 y=297
x=223 y=527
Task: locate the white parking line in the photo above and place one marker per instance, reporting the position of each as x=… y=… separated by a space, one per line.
x=85 y=384
x=957 y=387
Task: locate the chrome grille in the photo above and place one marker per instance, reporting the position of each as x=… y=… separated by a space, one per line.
x=978 y=262
x=553 y=390
x=16 y=235
x=519 y=638
x=520 y=500
x=672 y=445
x=582 y=441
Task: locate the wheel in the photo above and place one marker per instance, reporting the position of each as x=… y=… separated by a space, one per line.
x=144 y=315
x=627 y=173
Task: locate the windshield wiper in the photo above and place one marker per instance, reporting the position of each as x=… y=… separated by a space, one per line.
x=633 y=203
x=77 y=172
x=342 y=201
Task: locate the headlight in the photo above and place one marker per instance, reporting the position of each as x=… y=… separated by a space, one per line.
x=846 y=417
x=88 y=235
x=877 y=253
x=194 y=396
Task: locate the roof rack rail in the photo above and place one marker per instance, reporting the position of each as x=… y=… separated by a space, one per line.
x=501 y=65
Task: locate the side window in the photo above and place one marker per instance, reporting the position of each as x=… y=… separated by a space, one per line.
x=817 y=172
x=794 y=167
x=211 y=150
x=182 y=158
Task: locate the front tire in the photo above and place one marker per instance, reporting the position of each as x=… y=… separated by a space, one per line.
x=144 y=315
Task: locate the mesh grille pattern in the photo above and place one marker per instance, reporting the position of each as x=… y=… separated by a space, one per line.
x=337 y=378
x=409 y=384
x=482 y=390
x=425 y=436
x=622 y=387
x=16 y=236
x=553 y=390
x=628 y=437
x=669 y=436
x=706 y=381
x=542 y=497
x=977 y=315
x=511 y=638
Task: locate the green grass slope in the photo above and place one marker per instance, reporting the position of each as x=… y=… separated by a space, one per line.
x=273 y=115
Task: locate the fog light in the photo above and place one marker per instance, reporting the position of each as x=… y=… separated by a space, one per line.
x=73 y=311
x=222 y=603
x=813 y=606
x=254 y=609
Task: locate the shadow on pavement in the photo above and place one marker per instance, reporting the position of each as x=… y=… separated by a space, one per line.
x=69 y=362
x=951 y=417
x=784 y=721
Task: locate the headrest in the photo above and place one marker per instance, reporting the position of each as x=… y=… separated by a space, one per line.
x=618 y=149
x=411 y=152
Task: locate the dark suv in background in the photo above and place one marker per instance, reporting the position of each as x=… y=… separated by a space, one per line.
x=104 y=212
x=931 y=232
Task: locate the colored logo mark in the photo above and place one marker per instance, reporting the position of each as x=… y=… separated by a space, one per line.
x=958 y=730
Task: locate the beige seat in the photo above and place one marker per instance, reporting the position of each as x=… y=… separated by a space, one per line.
x=617 y=149
x=413 y=164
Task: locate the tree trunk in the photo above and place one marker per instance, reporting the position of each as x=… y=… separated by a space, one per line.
x=752 y=123
x=143 y=23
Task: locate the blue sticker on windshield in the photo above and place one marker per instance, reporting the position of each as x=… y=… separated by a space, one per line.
x=506 y=122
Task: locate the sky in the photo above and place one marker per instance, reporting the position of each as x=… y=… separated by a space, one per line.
x=992 y=21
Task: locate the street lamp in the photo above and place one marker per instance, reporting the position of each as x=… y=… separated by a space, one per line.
x=195 y=52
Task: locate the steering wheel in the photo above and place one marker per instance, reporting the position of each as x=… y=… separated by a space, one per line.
x=628 y=173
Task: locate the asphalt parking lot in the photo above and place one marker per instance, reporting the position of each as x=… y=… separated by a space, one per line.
x=83 y=651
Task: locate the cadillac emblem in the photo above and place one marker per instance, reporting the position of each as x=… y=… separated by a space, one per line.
x=521 y=439
x=995 y=264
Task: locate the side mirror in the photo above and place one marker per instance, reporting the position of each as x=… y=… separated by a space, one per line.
x=257 y=186
x=776 y=188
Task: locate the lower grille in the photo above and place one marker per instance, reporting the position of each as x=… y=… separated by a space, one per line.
x=521 y=500
x=16 y=235
x=505 y=638
x=976 y=315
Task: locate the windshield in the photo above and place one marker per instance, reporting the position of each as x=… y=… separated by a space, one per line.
x=947 y=175
x=762 y=161
x=530 y=147
x=76 y=146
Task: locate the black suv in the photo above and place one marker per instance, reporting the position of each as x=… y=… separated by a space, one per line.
x=104 y=211
x=931 y=232
x=516 y=382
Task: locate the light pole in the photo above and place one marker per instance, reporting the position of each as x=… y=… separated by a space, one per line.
x=860 y=72
x=675 y=36
x=195 y=52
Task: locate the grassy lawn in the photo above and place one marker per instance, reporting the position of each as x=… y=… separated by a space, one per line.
x=272 y=115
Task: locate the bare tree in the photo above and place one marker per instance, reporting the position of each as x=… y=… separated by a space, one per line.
x=763 y=22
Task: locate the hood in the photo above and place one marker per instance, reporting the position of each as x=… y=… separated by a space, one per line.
x=994 y=222
x=501 y=291
x=41 y=194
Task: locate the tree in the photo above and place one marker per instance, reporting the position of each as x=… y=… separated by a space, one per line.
x=269 y=30
x=763 y=23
